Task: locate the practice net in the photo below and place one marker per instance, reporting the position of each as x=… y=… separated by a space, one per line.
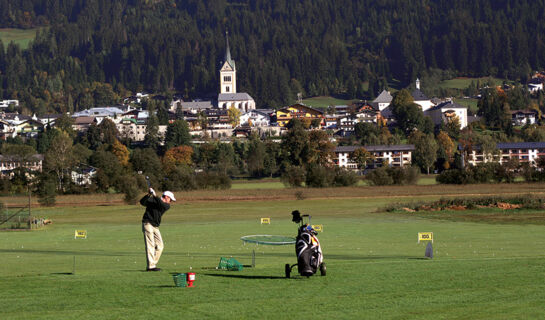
x=268 y=239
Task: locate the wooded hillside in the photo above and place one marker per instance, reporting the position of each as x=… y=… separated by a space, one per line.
x=93 y=51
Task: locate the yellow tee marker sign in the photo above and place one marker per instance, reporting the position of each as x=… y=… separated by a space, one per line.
x=80 y=234
x=425 y=236
x=265 y=220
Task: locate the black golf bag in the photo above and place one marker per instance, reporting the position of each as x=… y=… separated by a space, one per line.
x=307 y=249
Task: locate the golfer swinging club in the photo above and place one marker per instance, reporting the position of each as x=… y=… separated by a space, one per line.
x=155 y=208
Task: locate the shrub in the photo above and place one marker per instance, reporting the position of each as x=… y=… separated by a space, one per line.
x=393 y=175
x=455 y=176
x=212 y=180
x=319 y=176
x=344 y=178
x=293 y=176
x=380 y=177
x=180 y=179
x=130 y=189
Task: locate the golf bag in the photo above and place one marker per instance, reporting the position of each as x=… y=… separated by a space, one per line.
x=308 y=250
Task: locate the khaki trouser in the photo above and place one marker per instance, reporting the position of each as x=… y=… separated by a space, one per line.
x=154 y=244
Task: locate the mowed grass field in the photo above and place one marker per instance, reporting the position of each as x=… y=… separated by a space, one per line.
x=22 y=37
x=375 y=268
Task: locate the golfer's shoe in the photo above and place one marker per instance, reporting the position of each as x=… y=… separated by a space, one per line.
x=153 y=269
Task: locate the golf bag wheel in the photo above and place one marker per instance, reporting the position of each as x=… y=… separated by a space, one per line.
x=287 y=270
x=322 y=269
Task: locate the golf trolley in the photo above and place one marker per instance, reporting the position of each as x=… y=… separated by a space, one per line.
x=307 y=248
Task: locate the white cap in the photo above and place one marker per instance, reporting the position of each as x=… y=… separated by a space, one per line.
x=170 y=195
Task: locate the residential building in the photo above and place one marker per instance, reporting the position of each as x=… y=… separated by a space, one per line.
x=7 y=103
x=393 y=155
x=298 y=111
x=8 y=163
x=383 y=100
x=523 y=117
x=525 y=152
x=256 y=118
x=446 y=112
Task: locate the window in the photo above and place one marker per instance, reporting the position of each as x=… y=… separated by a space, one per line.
x=226 y=89
x=227 y=78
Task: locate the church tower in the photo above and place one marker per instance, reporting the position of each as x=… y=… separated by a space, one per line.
x=228 y=71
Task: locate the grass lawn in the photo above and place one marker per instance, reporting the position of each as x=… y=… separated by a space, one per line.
x=375 y=267
x=20 y=36
x=462 y=83
x=323 y=102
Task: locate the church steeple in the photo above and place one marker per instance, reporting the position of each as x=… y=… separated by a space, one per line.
x=228 y=51
x=228 y=71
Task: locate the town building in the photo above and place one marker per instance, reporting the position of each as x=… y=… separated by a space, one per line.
x=524 y=152
x=228 y=96
x=392 y=155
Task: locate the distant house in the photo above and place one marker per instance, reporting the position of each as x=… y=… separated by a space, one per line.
x=29 y=128
x=82 y=124
x=7 y=103
x=83 y=176
x=14 y=118
x=298 y=111
x=524 y=152
x=100 y=113
x=7 y=130
x=218 y=119
x=383 y=100
x=49 y=119
x=367 y=113
x=194 y=107
x=135 y=131
x=393 y=155
x=256 y=118
x=523 y=117
x=446 y=111
x=8 y=163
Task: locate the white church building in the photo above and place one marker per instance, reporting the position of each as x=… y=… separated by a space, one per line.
x=228 y=96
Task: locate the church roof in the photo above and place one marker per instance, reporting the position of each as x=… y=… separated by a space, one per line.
x=239 y=96
x=384 y=97
x=449 y=105
x=419 y=95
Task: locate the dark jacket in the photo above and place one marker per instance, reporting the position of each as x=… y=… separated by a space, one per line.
x=155 y=208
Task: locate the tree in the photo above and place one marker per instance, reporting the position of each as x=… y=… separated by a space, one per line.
x=147 y=162
x=109 y=170
x=121 y=152
x=446 y=148
x=494 y=108
x=425 y=150
x=177 y=156
x=408 y=115
x=295 y=144
x=65 y=123
x=321 y=148
x=234 y=116
x=177 y=134
x=151 y=139
x=361 y=156
x=59 y=158
x=256 y=156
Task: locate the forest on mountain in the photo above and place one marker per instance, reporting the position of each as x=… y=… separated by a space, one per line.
x=93 y=52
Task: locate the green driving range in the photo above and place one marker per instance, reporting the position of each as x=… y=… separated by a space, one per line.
x=376 y=269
